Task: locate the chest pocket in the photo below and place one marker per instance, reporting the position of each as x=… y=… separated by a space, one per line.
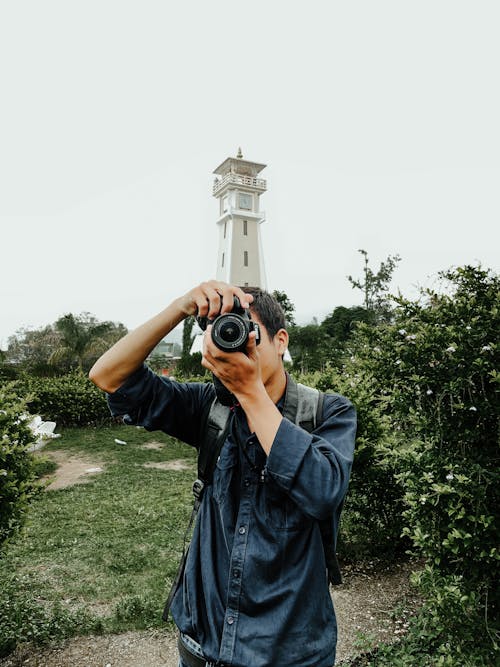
x=224 y=472
x=281 y=512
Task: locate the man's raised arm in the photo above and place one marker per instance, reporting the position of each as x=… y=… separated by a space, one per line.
x=112 y=369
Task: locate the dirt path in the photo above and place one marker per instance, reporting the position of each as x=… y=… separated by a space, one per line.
x=364 y=603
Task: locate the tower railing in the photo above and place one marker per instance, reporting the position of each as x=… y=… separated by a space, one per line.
x=238 y=179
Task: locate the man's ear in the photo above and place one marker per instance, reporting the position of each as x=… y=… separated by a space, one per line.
x=281 y=341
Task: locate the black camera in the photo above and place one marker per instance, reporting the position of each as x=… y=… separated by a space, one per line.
x=230 y=331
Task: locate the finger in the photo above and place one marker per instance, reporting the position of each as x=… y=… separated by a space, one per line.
x=251 y=348
x=245 y=299
x=206 y=364
x=227 y=299
x=228 y=293
x=208 y=300
x=210 y=349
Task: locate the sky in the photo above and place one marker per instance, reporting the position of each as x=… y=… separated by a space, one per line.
x=378 y=123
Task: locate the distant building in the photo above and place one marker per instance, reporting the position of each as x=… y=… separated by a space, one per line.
x=164 y=357
x=240 y=260
x=237 y=188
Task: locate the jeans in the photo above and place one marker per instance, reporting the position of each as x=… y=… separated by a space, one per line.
x=195 y=648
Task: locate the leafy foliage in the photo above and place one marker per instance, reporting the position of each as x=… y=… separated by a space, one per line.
x=310 y=347
x=189 y=364
x=375 y=286
x=69 y=400
x=73 y=341
x=341 y=323
x=287 y=305
x=17 y=475
x=433 y=375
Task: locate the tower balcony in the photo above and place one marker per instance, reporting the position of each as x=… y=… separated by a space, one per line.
x=220 y=184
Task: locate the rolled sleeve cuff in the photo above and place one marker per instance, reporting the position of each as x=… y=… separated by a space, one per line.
x=130 y=394
x=280 y=465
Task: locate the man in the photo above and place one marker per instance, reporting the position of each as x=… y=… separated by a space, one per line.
x=255 y=589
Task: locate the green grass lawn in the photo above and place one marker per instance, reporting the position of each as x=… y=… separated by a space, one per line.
x=110 y=546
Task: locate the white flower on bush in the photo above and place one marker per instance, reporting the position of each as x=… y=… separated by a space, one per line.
x=411 y=337
x=473 y=408
x=486 y=348
x=377 y=349
x=402 y=332
x=429 y=392
x=451 y=349
x=398 y=361
x=450 y=476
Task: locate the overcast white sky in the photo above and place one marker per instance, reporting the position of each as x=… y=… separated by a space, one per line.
x=379 y=123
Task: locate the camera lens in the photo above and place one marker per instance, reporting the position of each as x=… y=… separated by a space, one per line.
x=229 y=332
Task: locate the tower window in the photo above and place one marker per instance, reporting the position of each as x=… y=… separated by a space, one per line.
x=245 y=228
x=225 y=225
x=245 y=201
x=222 y=259
x=245 y=258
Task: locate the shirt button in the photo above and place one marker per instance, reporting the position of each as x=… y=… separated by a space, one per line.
x=246 y=482
x=242 y=530
x=230 y=620
x=236 y=574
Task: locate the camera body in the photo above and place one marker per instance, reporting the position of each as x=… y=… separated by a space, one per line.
x=230 y=331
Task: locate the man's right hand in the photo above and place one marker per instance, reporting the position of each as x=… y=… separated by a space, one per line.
x=205 y=299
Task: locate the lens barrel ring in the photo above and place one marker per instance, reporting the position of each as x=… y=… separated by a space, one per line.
x=230 y=332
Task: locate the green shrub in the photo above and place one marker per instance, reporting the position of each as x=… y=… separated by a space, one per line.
x=434 y=373
x=17 y=486
x=69 y=400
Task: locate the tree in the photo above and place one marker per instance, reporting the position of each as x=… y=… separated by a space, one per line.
x=375 y=286
x=287 y=305
x=310 y=347
x=30 y=350
x=83 y=339
x=189 y=364
x=340 y=324
x=73 y=341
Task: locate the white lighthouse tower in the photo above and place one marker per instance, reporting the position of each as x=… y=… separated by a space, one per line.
x=237 y=188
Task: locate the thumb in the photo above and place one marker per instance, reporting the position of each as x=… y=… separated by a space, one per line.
x=251 y=349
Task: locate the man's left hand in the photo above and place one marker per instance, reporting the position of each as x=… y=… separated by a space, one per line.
x=239 y=372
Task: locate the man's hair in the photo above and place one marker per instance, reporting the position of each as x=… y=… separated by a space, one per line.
x=268 y=310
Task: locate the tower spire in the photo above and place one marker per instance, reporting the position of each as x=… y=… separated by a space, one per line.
x=240 y=154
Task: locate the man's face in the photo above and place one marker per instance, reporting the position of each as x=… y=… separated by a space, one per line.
x=270 y=351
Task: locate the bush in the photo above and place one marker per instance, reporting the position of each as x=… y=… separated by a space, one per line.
x=69 y=400
x=17 y=476
x=434 y=373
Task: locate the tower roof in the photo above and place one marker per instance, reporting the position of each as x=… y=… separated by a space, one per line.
x=239 y=166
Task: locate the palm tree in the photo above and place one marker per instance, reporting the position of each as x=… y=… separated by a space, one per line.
x=83 y=339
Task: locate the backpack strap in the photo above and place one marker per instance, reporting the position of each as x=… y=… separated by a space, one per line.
x=304 y=407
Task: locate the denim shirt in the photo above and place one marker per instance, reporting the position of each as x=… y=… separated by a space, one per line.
x=255 y=590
